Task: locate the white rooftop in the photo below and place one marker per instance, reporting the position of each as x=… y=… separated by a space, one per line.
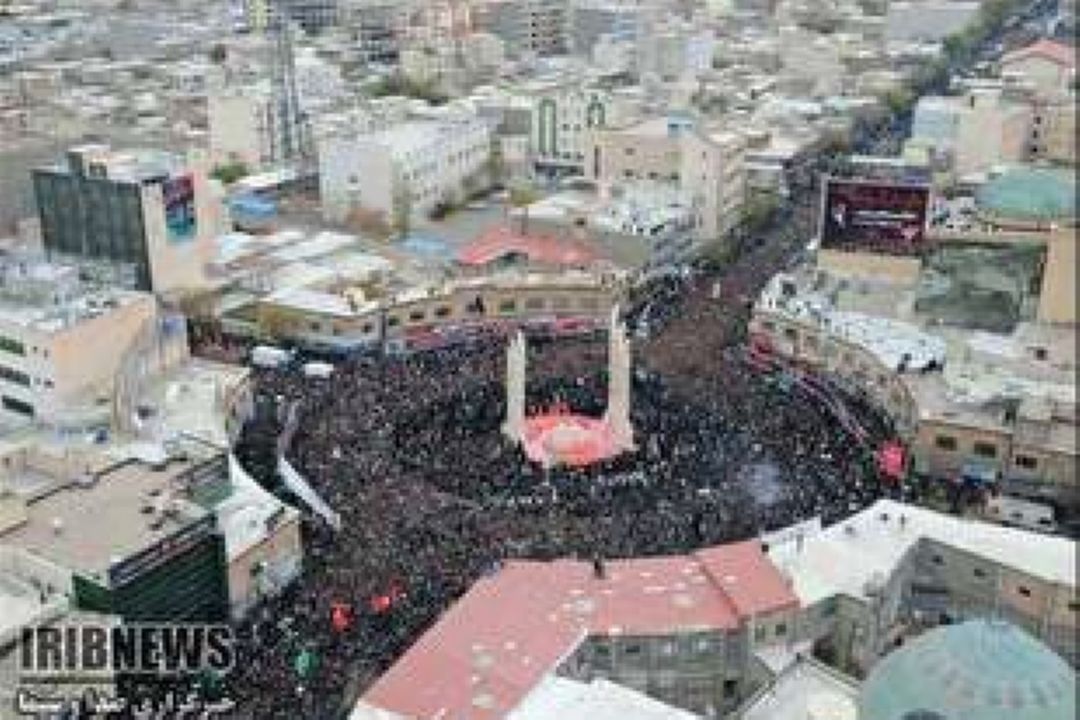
x=567 y=699
x=836 y=560
x=801 y=690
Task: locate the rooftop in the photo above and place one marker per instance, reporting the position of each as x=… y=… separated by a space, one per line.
x=481 y=664
x=138 y=504
x=498 y=243
x=1059 y=53
x=848 y=557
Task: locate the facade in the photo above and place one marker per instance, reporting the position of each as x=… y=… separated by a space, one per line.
x=527 y=27
x=713 y=177
x=927 y=20
x=405 y=170
x=147 y=219
x=439 y=315
x=1050 y=66
x=648 y=151
x=1013 y=426
x=1053 y=130
x=681 y=630
x=242 y=127
x=597 y=19
x=162 y=559
x=312 y=15
x=981 y=129
x=63 y=346
x=892 y=569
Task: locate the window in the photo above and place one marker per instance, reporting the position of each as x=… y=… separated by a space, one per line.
x=14 y=376
x=759 y=633
x=17 y=406
x=1074 y=606
x=781 y=629
x=416 y=316
x=980 y=573
x=393 y=321
x=986 y=450
x=507 y=306
x=12 y=346
x=633 y=649
x=937 y=560
x=366 y=329
x=442 y=311
x=535 y=303
x=1027 y=462
x=945 y=442
x=1025 y=592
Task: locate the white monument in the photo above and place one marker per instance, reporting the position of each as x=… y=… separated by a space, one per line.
x=617 y=415
x=514 y=425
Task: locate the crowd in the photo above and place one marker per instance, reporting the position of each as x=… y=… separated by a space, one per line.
x=431 y=495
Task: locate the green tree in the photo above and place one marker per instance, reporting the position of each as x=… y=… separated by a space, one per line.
x=230 y=172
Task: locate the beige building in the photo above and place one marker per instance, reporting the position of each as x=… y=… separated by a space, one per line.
x=713 y=177
x=646 y=151
x=62 y=346
x=1049 y=65
x=1053 y=130
x=241 y=126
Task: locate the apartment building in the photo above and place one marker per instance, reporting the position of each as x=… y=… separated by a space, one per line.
x=63 y=345
x=528 y=27
x=147 y=218
x=408 y=169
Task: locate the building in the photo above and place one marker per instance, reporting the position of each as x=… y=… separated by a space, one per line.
x=527 y=27
x=1053 y=130
x=985 y=656
x=405 y=170
x=312 y=15
x=651 y=150
x=867 y=582
x=681 y=630
x=64 y=345
x=592 y=20
x=1049 y=65
x=145 y=218
x=163 y=557
x=243 y=127
x=713 y=177
x=927 y=20
x=971 y=351
x=981 y=129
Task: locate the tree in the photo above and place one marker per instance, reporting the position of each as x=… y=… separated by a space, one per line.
x=230 y=172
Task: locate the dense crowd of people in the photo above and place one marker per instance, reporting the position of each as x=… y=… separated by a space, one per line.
x=432 y=496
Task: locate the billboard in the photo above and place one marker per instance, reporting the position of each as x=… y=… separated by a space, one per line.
x=179 y=195
x=877 y=217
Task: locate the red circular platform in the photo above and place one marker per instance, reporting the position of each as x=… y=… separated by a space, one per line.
x=565 y=438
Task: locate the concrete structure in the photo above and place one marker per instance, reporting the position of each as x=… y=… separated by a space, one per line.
x=927 y=20
x=713 y=178
x=1049 y=65
x=146 y=218
x=64 y=345
x=527 y=27
x=892 y=568
x=1053 y=130
x=991 y=405
x=514 y=425
x=617 y=414
x=594 y=20
x=982 y=129
x=406 y=170
x=242 y=126
x=678 y=629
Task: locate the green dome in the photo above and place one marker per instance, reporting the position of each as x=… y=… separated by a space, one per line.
x=978 y=670
x=1030 y=193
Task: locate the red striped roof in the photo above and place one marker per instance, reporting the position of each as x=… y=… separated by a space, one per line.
x=500 y=241
x=513 y=628
x=1059 y=53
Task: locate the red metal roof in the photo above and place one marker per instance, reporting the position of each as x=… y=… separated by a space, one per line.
x=496 y=643
x=500 y=241
x=1054 y=51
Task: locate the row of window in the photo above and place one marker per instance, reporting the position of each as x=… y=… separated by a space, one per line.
x=12 y=346
x=17 y=406
x=981 y=574
x=14 y=376
x=948 y=443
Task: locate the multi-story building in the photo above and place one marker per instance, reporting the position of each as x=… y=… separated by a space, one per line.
x=146 y=217
x=1053 y=129
x=596 y=19
x=981 y=129
x=312 y=15
x=526 y=26
x=407 y=169
x=1050 y=66
x=707 y=169
x=62 y=345
x=679 y=630
x=242 y=126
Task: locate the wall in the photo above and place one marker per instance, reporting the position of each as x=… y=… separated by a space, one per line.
x=266 y=567
x=1057 y=303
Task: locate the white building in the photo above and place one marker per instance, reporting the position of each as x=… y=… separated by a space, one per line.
x=928 y=20
x=242 y=126
x=713 y=178
x=410 y=167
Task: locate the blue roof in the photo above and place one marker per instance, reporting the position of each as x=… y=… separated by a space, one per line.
x=1030 y=193
x=977 y=670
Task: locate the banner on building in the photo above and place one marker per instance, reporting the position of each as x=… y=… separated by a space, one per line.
x=179 y=192
x=876 y=217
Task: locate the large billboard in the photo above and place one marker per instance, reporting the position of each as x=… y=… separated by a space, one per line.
x=877 y=217
x=179 y=192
